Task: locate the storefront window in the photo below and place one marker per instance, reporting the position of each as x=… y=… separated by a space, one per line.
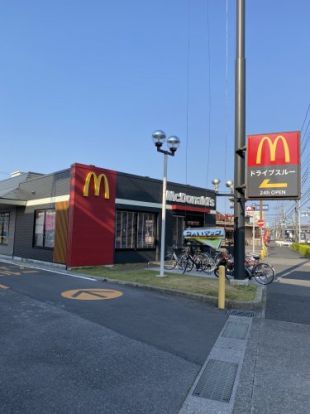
x=145 y=231
x=49 y=228
x=4 y=228
x=44 y=228
x=125 y=230
x=135 y=230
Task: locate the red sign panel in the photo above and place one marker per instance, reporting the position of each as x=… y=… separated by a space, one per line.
x=273 y=166
x=91 y=216
x=273 y=149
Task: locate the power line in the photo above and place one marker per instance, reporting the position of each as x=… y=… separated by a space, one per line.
x=226 y=95
x=305 y=135
x=209 y=92
x=187 y=85
x=305 y=118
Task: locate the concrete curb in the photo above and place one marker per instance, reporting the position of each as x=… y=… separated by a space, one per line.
x=21 y=261
x=256 y=304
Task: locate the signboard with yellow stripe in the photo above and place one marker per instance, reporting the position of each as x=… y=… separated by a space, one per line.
x=273 y=166
x=208 y=236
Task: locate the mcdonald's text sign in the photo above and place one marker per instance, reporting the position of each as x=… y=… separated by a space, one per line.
x=273 y=166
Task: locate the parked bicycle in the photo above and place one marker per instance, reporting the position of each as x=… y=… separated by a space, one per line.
x=223 y=258
x=262 y=272
x=202 y=262
x=175 y=259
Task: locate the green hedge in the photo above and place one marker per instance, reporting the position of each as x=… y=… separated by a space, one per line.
x=303 y=249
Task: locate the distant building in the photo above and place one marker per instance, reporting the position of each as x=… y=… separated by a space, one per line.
x=227 y=222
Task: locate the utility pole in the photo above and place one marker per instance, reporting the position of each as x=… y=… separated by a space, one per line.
x=239 y=176
x=282 y=224
x=261 y=218
x=297 y=221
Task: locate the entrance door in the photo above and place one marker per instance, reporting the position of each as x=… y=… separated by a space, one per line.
x=177 y=231
x=194 y=220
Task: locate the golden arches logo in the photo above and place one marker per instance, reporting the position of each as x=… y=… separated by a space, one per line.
x=97 y=182
x=273 y=148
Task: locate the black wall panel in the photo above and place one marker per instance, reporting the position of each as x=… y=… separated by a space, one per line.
x=50 y=185
x=134 y=256
x=24 y=235
x=133 y=187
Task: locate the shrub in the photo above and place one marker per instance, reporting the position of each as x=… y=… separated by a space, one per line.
x=294 y=246
x=303 y=249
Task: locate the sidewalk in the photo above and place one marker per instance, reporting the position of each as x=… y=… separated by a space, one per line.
x=264 y=369
x=275 y=376
x=256 y=366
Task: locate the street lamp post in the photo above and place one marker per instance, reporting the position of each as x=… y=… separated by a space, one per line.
x=239 y=198
x=173 y=143
x=229 y=184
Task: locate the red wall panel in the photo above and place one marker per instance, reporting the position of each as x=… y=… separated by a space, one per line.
x=91 y=216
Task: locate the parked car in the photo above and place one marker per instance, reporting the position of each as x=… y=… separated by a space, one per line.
x=283 y=242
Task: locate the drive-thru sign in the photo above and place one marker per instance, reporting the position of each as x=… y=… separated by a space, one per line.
x=273 y=166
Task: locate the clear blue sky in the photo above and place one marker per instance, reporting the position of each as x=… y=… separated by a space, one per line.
x=88 y=81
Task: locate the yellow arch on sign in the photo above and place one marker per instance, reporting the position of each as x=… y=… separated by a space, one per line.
x=273 y=148
x=97 y=182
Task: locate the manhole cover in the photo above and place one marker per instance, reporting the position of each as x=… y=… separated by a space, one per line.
x=217 y=381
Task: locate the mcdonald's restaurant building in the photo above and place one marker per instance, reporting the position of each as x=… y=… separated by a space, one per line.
x=87 y=215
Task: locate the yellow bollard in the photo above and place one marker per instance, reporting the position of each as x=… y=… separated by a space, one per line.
x=221 y=291
x=264 y=252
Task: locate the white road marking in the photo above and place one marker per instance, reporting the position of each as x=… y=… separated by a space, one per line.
x=59 y=272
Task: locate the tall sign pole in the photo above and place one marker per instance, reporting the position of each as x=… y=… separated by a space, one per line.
x=239 y=176
x=261 y=219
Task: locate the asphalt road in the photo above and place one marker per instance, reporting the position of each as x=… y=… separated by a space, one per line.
x=137 y=353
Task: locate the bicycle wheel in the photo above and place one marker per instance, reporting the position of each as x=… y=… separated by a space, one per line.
x=187 y=265
x=182 y=262
x=216 y=271
x=208 y=263
x=229 y=272
x=198 y=262
x=263 y=273
x=170 y=261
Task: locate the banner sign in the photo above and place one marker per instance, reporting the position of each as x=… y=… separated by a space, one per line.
x=273 y=166
x=208 y=236
x=265 y=207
